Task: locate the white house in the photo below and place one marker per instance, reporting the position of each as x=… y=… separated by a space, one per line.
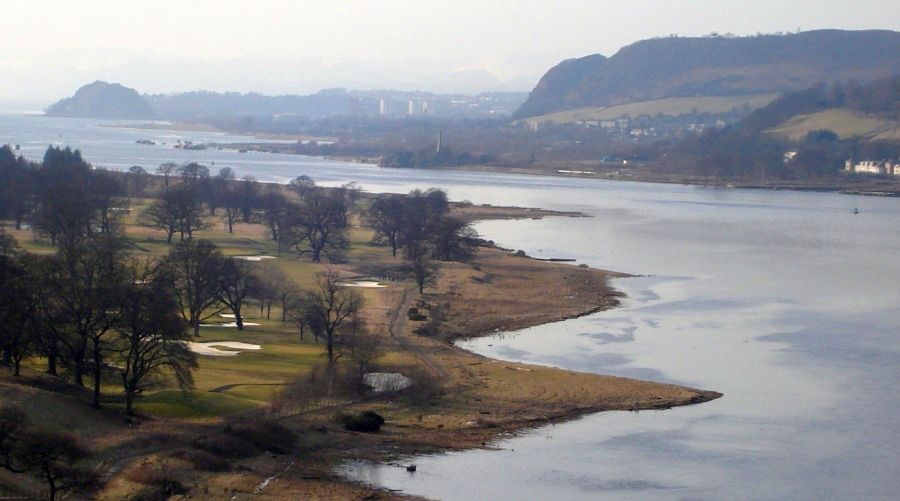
x=883 y=167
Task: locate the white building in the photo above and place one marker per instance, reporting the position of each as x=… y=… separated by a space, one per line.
x=883 y=167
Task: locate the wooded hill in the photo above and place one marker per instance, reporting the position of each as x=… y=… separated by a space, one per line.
x=809 y=123
x=106 y=100
x=715 y=66
x=112 y=100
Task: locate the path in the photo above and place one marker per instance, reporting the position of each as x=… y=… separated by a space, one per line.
x=397 y=329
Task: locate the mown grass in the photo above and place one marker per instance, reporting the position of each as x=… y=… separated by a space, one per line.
x=195 y=404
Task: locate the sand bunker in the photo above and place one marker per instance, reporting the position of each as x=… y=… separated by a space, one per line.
x=230 y=324
x=365 y=284
x=253 y=258
x=207 y=348
x=386 y=381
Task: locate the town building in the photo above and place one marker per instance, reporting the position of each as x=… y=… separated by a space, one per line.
x=879 y=167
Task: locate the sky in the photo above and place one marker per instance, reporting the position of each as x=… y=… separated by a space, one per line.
x=48 y=48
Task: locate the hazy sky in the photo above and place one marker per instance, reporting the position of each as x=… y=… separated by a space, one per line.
x=49 y=48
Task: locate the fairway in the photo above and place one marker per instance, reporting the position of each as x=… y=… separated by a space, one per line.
x=250 y=379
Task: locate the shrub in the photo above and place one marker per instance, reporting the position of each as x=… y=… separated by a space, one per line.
x=226 y=446
x=265 y=435
x=202 y=460
x=365 y=422
x=426 y=389
x=161 y=477
x=414 y=315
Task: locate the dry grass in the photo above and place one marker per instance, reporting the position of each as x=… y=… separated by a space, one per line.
x=845 y=123
x=671 y=106
x=499 y=291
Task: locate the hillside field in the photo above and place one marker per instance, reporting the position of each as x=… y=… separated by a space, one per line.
x=671 y=106
x=845 y=123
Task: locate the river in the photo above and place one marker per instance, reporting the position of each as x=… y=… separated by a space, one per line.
x=786 y=302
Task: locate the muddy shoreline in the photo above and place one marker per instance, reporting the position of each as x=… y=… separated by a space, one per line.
x=485 y=400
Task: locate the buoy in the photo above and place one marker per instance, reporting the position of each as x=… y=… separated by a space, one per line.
x=856 y=210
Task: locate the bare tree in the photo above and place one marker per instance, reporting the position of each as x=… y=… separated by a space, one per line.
x=162 y=215
x=18 y=314
x=282 y=289
x=187 y=206
x=318 y=227
x=453 y=239
x=422 y=264
x=236 y=282
x=51 y=316
x=152 y=335
x=53 y=458
x=361 y=347
x=249 y=193
x=304 y=312
x=136 y=180
x=276 y=210
x=231 y=204
x=166 y=170
x=302 y=185
x=334 y=304
x=386 y=217
x=194 y=269
x=109 y=206
x=82 y=286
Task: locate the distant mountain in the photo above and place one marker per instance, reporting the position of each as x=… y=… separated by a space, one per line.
x=714 y=66
x=103 y=100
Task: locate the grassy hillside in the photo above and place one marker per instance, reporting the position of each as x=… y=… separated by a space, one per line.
x=715 y=66
x=843 y=122
x=673 y=106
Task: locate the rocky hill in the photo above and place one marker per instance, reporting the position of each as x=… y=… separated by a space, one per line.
x=715 y=66
x=103 y=100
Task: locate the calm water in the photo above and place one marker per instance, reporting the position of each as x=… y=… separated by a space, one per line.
x=786 y=302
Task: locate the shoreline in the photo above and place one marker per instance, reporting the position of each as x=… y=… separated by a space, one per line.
x=866 y=187
x=489 y=399
x=469 y=400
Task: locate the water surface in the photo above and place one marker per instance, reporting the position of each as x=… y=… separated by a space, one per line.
x=786 y=302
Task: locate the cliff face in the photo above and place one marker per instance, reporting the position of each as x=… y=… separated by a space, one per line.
x=103 y=100
x=715 y=66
